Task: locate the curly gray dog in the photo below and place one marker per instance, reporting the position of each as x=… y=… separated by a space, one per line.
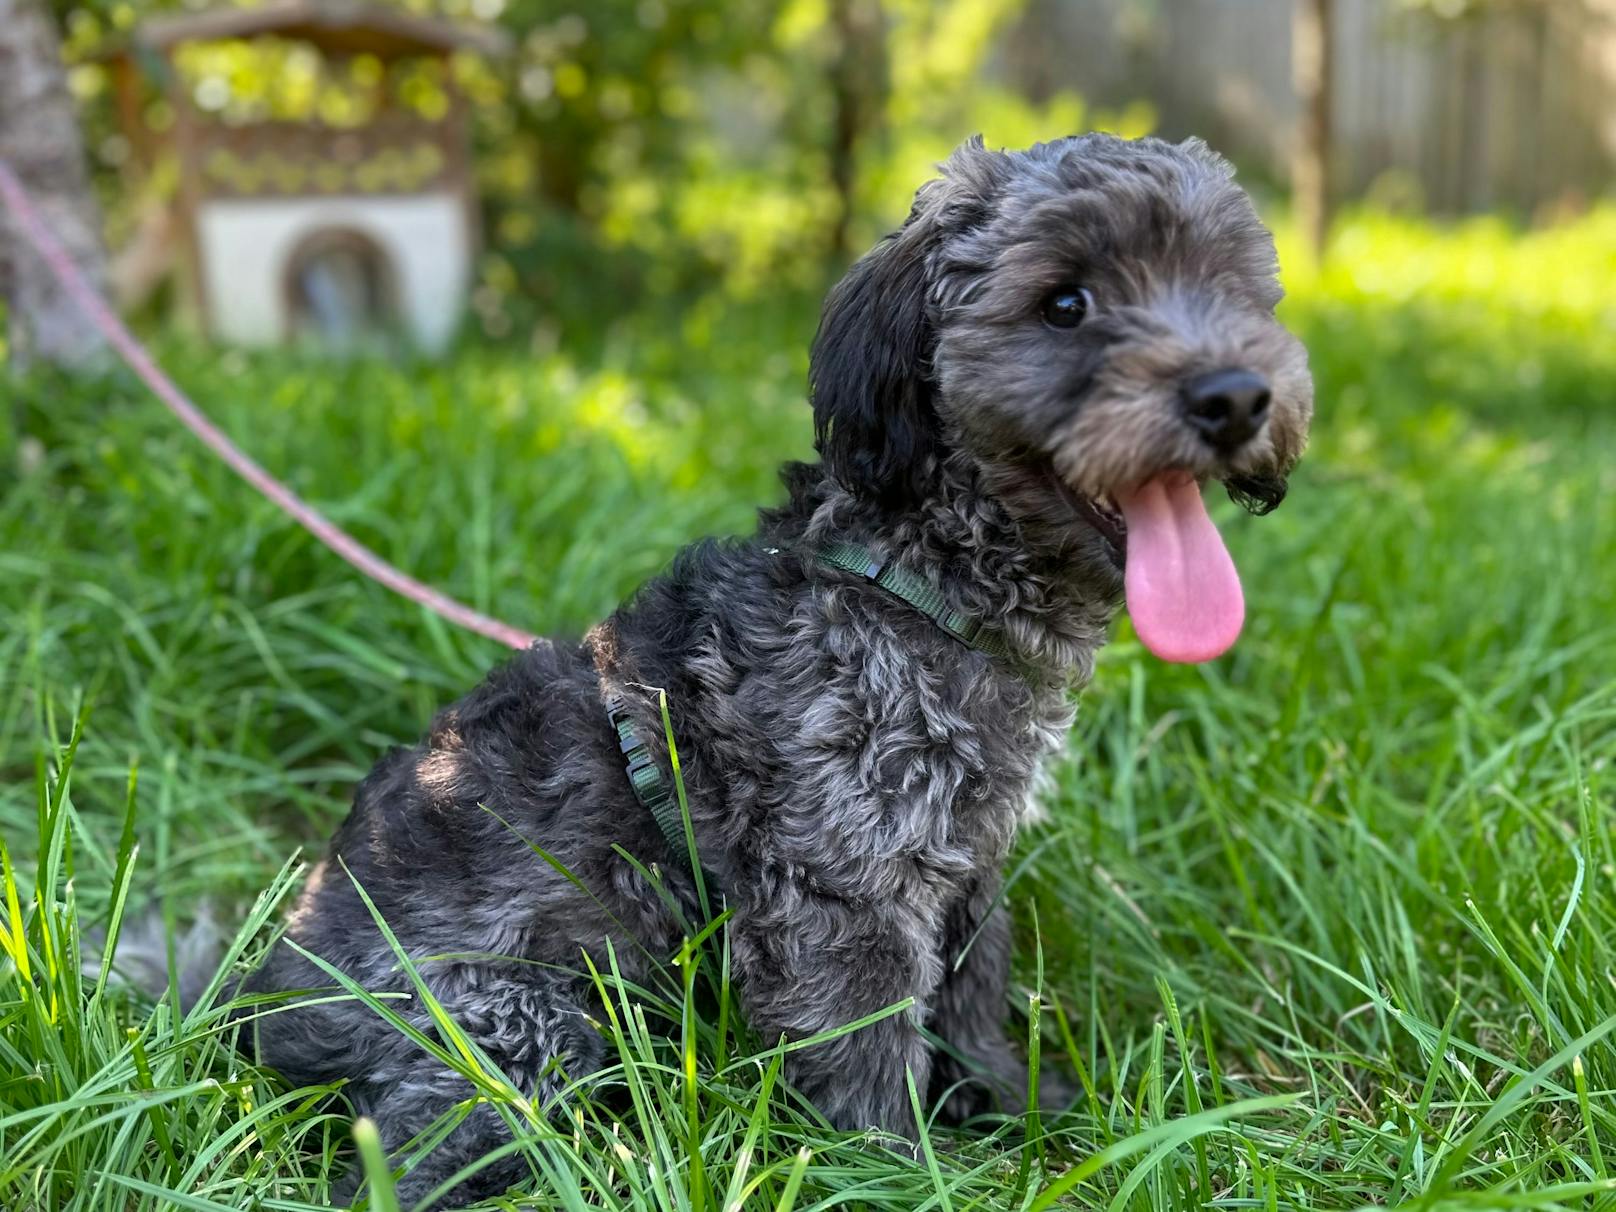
x=1018 y=397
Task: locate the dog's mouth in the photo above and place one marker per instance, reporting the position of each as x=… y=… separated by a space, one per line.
x=1103 y=517
x=1183 y=592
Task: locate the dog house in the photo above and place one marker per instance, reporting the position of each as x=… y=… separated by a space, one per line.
x=341 y=234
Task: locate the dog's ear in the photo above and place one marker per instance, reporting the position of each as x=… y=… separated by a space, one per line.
x=1258 y=494
x=870 y=375
x=869 y=372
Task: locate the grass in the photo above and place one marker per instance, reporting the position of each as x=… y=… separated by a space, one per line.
x=1327 y=924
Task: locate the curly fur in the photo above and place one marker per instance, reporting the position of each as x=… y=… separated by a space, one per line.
x=856 y=776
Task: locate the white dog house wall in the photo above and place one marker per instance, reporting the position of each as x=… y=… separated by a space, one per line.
x=344 y=235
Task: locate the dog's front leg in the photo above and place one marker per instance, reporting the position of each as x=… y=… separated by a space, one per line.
x=809 y=964
x=980 y=1070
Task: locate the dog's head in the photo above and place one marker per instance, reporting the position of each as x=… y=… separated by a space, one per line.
x=1091 y=323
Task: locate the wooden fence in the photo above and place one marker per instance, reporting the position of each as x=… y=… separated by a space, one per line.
x=1511 y=106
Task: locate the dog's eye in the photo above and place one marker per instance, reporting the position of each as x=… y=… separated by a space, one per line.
x=1066 y=306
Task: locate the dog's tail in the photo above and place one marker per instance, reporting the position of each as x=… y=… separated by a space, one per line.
x=142 y=957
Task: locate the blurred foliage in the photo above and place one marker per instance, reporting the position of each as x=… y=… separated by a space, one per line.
x=275 y=79
x=672 y=157
x=1478 y=319
x=633 y=148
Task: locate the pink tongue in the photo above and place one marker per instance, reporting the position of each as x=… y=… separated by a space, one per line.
x=1183 y=592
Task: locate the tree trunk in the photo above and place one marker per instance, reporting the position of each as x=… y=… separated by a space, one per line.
x=857 y=86
x=39 y=138
x=1313 y=74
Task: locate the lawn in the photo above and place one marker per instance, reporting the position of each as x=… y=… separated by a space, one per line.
x=1325 y=924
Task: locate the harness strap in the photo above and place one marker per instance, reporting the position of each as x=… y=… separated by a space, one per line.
x=653 y=791
x=650 y=788
x=969 y=629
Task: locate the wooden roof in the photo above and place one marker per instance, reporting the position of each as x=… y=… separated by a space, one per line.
x=338 y=27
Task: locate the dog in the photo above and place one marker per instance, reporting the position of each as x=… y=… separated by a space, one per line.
x=1018 y=398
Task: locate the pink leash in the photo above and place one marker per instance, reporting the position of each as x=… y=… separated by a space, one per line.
x=120 y=338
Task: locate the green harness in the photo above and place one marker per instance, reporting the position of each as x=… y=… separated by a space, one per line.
x=654 y=792
x=968 y=629
x=650 y=788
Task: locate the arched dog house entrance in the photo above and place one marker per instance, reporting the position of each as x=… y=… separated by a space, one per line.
x=341 y=292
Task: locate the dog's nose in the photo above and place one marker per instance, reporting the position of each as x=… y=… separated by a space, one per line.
x=1227 y=407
